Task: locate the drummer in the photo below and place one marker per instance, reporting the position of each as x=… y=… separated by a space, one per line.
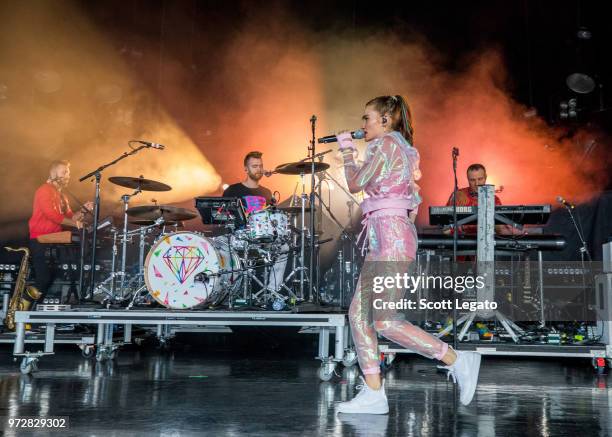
x=254 y=196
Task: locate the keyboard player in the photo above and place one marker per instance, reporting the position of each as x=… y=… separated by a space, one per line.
x=468 y=196
x=50 y=213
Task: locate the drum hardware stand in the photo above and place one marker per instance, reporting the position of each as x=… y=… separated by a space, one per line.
x=100 y=288
x=141 y=285
x=267 y=292
x=142 y=233
x=283 y=285
x=231 y=226
x=303 y=236
x=110 y=293
x=345 y=288
x=316 y=215
x=126 y=200
x=248 y=274
x=294 y=241
x=97 y=175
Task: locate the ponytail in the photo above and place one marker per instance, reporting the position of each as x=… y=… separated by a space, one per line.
x=399 y=111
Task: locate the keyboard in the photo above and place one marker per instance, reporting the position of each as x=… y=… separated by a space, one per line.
x=521 y=214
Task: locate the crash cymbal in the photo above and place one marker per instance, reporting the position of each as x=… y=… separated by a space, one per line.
x=139 y=183
x=300 y=168
x=179 y=224
x=292 y=209
x=153 y=212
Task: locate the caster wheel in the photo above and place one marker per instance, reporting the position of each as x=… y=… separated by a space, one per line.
x=324 y=374
x=165 y=346
x=27 y=366
x=101 y=356
x=88 y=352
x=350 y=359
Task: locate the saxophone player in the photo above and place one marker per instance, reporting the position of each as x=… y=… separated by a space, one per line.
x=51 y=211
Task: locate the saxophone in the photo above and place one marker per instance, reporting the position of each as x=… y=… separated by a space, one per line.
x=23 y=296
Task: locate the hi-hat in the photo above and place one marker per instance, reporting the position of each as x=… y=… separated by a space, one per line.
x=154 y=212
x=139 y=183
x=296 y=168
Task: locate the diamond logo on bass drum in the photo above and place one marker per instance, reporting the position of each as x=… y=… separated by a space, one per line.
x=183 y=261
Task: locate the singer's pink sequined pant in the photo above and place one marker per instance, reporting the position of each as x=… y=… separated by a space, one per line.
x=392 y=245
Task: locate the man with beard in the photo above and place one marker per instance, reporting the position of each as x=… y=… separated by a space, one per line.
x=254 y=196
x=50 y=214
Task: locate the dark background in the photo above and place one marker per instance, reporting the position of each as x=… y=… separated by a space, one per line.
x=537 y=38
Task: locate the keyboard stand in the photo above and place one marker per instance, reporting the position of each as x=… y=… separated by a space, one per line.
x=485 y=252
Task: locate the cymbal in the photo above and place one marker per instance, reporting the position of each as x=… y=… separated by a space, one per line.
x=179 y=224
x=139 y=183
x=292 y=209
x=153 y=212
x=300 y=168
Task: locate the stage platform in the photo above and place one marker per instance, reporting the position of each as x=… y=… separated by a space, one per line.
x=168 y=322
x=591 y=351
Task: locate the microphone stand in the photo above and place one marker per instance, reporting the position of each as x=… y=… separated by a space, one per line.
x=97 y=174
x=455 y=237
x=314 y=294
x=583 y=248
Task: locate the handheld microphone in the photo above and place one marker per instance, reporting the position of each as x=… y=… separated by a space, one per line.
x=268 y=173
x=565 y=203
x=356 y=135
x=152 y=145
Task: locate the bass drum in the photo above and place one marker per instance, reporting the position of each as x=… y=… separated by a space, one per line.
x=181 y=271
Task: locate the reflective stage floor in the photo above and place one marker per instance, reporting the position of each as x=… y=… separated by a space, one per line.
x=274 y=391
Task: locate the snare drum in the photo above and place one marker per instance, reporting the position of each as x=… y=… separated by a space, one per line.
x=180 y=271
x=238 y=240
x=268 y=225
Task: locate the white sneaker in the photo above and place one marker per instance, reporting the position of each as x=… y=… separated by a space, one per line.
x=465 y=372
x=367 y=401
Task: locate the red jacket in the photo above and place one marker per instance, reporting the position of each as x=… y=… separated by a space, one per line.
x=50 y=208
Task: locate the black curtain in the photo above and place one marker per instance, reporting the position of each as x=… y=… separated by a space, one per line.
x=595 y=221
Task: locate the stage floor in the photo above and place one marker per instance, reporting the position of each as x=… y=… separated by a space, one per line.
x=276 y=393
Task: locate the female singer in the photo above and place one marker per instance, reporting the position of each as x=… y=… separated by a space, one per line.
x=388 y=176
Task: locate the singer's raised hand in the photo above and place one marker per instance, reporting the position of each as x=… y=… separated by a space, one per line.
x=345 y=141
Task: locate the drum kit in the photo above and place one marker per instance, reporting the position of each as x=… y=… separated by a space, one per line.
x=241 y=264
